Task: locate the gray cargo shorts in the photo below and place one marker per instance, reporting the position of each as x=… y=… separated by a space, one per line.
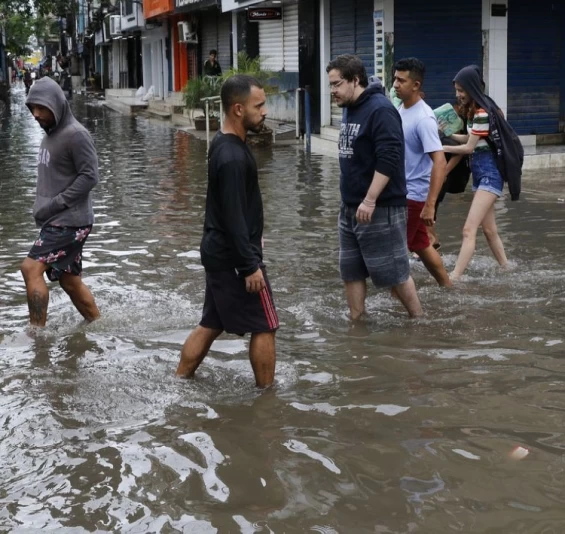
x=377 y=249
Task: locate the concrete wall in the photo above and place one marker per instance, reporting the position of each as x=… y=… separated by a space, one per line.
x=281 y=107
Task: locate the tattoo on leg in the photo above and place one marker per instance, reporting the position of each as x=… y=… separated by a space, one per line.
x=37 y=307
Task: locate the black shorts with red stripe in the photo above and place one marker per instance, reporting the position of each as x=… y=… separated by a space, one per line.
x=229 y=307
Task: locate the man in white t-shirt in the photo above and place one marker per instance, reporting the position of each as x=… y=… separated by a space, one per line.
x=424 y=162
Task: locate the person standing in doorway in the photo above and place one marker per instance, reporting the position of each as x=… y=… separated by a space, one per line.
x=487 y=180
x=211 y=65
x=424 y=161
x=372 y=219
x=67 y=172
x=238 y=297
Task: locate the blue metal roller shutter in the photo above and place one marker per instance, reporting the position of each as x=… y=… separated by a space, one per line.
x=446 y=38
x=352 y=32
x=534 y=49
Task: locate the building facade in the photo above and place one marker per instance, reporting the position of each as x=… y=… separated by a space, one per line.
x=271 y=31
x=519 y=46
x=156 y=47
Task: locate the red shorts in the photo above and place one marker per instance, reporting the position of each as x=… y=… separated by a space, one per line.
x=417 y=233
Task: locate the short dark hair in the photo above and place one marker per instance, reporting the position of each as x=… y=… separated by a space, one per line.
x=349 y=67
x=236 y=89
x=215 y=52
x=414 y=66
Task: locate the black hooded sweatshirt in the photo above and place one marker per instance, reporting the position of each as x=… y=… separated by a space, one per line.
x=507 y=149
x=371 y=139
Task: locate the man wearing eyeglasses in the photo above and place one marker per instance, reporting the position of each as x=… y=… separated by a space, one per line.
x=372 y=219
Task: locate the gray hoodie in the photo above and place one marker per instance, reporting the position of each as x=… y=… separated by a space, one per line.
x=67 y=163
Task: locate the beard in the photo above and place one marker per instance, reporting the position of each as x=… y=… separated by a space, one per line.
x=253 y=126
x=342 y=102
x=45 y=125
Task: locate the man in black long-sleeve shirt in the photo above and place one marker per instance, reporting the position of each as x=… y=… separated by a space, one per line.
x=238 y=295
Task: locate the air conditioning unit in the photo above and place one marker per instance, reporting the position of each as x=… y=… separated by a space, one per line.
x=187 y=32
x=115 y=25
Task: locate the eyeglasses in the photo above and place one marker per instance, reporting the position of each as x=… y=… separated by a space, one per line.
x=335 y=85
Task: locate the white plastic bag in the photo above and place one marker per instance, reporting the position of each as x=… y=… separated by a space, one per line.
x=149 y=95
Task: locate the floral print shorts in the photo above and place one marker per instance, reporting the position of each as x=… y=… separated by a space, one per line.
x=60 y=248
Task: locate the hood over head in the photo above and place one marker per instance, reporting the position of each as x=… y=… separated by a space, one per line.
x=472 y=82
x=47 y=92
x=375 y=87
x=376 y=82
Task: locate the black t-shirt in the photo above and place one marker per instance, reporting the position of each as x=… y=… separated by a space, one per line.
x=212 y=70
x=233 y=224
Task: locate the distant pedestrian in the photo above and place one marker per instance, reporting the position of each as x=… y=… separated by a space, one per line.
x=424 y=162
x=28 y=80
x=372 y=219
x=238 y=296
x=67 y=172
x=487 y=180
x=211 y=65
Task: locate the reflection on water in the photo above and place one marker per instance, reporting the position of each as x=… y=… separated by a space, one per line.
x=390 y=426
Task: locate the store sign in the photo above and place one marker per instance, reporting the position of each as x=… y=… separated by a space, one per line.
x=266 y=13
x=155 y=8
x=184 y=6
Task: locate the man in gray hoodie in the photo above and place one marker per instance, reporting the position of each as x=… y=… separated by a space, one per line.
x=67 y=172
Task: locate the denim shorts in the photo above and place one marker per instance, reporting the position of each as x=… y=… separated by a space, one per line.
x=377 y=249
x=486 y=175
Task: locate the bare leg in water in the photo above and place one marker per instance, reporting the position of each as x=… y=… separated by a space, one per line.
x=37 y=291
x=481 y=213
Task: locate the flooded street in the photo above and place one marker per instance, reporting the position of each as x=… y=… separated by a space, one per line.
x=394 y=426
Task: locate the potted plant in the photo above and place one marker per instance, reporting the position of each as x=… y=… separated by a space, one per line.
x=252 y=67
x=194 y=92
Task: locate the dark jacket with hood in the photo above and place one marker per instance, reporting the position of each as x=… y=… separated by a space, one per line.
x=67 y=163
x=371 y=139
x=505 y=144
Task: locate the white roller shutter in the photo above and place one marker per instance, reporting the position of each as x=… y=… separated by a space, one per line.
x=278 y=40
x=271 y=44
x=290 y=38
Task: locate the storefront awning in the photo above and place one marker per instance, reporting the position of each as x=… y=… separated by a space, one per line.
x=186 y=6
x=234 y=5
